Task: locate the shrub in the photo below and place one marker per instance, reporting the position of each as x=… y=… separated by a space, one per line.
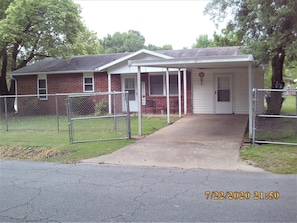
x=100 y=107
x=81 y=106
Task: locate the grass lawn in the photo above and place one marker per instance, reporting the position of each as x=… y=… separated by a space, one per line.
x=281 y=159
x=289 y=105
x=28 y=138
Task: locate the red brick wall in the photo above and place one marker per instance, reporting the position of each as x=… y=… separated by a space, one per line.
x=157 y=104
x=73 y=83
x=64 y=83
x=27 y=84
x=116 y=82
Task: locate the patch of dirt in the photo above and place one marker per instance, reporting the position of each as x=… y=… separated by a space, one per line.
x=33 y=153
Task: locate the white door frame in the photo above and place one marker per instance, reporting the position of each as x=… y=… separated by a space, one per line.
x=133 y=104
x=223 y=107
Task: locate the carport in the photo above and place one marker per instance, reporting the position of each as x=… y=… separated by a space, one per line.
x=202 y=63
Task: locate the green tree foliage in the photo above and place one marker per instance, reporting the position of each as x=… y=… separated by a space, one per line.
x=203 y=42
x=154 y=47
x=228 y=37
x=268 y=28
x=31 y=30
x=130 y=41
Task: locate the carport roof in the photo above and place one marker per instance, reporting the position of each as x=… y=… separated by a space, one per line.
x=204 y=62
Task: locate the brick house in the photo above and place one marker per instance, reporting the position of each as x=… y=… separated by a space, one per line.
x=200 y=81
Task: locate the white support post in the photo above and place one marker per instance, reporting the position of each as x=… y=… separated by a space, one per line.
x=109 y=91
x=185 y=91
x=179 y=93
x=139 y=101
x=250 y=74
x=167 y=96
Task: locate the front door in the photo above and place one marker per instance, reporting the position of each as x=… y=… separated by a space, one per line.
x=223 y=94
x=129 y=84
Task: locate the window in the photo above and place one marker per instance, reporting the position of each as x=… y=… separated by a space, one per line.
x=42 y=87
x=88 y=84
x=158 y=85
x=173 y=85
x=130 y=87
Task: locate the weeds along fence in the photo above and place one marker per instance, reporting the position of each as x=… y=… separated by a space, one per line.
x=275 y=116
x=84 y=117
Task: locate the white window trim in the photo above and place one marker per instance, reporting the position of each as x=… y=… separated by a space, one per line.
x=88 y=75
x=164 y=85
x=42 y=77
x=177 y=85
x=149 y=79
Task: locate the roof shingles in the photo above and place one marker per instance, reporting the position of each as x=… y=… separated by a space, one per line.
x=91 y=62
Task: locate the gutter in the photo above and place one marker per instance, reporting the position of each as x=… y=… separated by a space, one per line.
x=52 y=72
x=198 y=60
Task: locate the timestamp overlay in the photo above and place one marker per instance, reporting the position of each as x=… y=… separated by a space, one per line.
x=242 y=195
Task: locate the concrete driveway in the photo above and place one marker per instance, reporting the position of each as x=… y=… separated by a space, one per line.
x=194 y=141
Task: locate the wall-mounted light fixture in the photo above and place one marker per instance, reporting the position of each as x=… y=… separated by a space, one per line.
x=201 y=75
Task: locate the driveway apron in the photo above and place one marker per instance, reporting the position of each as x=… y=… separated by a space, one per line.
x=194 y=141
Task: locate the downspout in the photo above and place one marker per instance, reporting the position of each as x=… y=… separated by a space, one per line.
x=15 y=104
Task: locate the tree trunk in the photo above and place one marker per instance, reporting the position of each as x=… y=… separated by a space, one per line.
x=3 y=83
x=274 y=102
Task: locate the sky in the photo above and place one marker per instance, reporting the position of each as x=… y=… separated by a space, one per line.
x=177 y=23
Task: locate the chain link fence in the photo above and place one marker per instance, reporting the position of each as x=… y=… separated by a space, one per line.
x=92 y=118
x=84 y=117
x=275 y=116
x=31 y=113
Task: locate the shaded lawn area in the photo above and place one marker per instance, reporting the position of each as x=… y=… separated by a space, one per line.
x=38 y=139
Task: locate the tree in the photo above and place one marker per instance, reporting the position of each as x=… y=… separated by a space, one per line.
x=130 y=41
x=32 y=30
x=203 y=42
x=228 y=37
x=268 y=28
x=86 y=43
x=154 y=47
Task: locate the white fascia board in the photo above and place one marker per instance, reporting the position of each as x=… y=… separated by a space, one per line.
x=132 y=55
x=184 y=61
x=53 y=72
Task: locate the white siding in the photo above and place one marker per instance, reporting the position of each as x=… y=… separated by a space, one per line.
x=123 y=68
x=240 y=91
x=203 y=95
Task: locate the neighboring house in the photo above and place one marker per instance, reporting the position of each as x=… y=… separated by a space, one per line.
x=212 y=80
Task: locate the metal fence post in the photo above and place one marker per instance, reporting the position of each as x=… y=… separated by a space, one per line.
x=128 y=116
x=114 y=112
x=57 y=113
x=70 y=132
x=6 y=115
x=254 y=115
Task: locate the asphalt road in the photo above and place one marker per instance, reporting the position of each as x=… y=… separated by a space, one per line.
x=50 y=192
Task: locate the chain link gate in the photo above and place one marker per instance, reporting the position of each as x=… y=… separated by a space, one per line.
x=98 y=116
x=275 y=116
